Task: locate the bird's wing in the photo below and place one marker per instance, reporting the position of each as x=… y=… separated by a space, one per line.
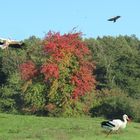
x=118 y=17
x=110 y=19
x=107 y=125
x=16 y=44
x=117 y=122
x=1 y=43
x=114 y=18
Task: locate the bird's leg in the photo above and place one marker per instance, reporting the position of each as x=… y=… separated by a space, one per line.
x=118 y=131
x=108 y=133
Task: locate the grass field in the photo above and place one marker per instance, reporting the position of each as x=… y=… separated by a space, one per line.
x=17 y=127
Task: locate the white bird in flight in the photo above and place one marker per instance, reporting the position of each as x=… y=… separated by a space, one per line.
x=5 y=43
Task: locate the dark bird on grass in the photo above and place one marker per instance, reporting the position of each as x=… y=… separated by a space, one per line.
x=114 y=18
x=115 y=125
x=5 y=43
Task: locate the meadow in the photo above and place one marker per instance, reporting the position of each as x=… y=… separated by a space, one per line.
x=24 y=127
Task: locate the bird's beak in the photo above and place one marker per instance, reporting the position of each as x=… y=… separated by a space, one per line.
x=128 y=119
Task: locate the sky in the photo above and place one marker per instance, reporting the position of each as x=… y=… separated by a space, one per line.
x=21 y=19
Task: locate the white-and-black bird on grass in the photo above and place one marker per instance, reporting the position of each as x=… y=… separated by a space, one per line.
x=5 y=43
x=114 y=19
x=115 y=124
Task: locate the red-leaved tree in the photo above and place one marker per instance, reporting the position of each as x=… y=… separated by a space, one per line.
x=68 y=69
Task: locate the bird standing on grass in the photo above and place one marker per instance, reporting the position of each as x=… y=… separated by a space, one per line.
x=115 y=124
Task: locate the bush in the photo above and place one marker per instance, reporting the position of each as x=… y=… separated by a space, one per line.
x=34 y=98
x=114 y=103
x=7 y=99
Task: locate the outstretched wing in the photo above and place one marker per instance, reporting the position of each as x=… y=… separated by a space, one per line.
x=110 y=19
x=1 y=43
x=114 y=18
x=16 y=44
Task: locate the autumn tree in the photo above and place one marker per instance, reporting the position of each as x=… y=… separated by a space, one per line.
x=67 y=74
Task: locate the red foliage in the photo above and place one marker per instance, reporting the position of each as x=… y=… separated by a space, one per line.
x=28 y=70
x=83 y=80
x=50 y=71
x=56 y=45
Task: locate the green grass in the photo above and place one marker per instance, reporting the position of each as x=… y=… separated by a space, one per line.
x=17 y=127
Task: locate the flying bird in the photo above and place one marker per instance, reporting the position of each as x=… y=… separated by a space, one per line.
x=115 y=124
x=5 y=43
x=114 y=18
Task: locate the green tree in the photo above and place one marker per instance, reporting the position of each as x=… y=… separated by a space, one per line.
x=117 y=61
x=11 y=94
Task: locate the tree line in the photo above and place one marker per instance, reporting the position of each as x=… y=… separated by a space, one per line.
x=67 y=75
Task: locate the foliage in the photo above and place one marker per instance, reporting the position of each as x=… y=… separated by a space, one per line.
x=50 y=71
x=56 y=76
x=3 y=76
x=118 y=64
x=67 y=73
x=6 y=101
x=34 y=98
x=28 y=70
x=11 y=90
x=10 y=98
x=115 y=103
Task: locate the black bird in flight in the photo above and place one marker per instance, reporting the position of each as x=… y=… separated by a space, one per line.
x=114 y=18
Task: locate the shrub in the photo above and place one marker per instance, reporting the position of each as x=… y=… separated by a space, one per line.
x=114 y=103
x=7 y=99
x=10 y=94
x=34 y=98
